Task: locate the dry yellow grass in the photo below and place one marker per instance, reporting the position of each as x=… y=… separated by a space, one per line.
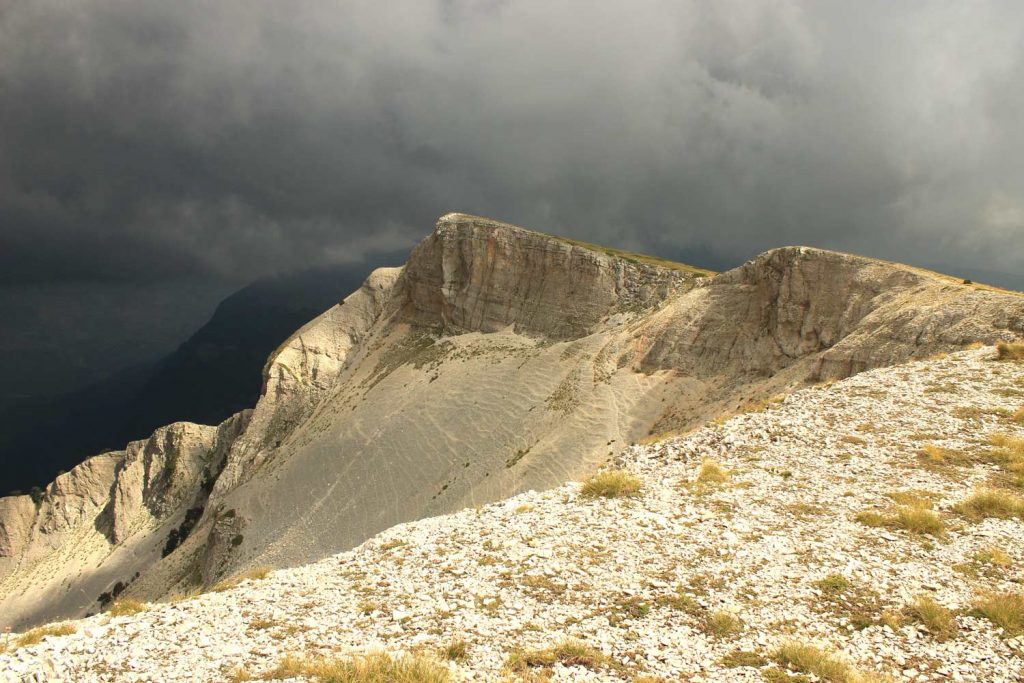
x=37 y=634
x=611 y=484
x=1005 y=610
x=939 y=621
x=931 y=454
x=993 y=555
x=991 y=503
x=916 y=519
x=824 y=665
x=567 y=653
x=711 y=473
x=722 y=624
x=457 y=650
x=373 y=668
x=123 y=608
x=1010 y=351
x=254 y=574
x=1008 y=452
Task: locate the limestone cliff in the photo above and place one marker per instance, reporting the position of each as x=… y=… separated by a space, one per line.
x=478 y=275
x=495 y=361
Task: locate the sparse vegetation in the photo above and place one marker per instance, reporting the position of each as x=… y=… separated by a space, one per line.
x=238 y=675
x=255 y=574
x=37 y=634
x=1008 y=453
x=916 y=519
x=626 y=607
x=939 y=621
x=638 y=258
x=567 y=653
x=738 y=658
x=805 y=510
x=854 y=602
x=1005 y=610
x=722 y=624
x=123 y=608
x=373 y=668
x=915 y=498
x=993 y=555
x=931 y=454
x=457 y=650
x=611 y=484
x=833 y=584
x=991 y=503
x=262 y=624
x=825 y=666
x=1010 y=351
x=712 y=473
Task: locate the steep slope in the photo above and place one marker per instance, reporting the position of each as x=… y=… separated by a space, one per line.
x=212 y=375
x=692 y=579
x=500 y=360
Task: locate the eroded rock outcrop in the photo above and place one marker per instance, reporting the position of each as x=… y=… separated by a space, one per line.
x=478 y=275
x=495 y=361
x=95 y=529
x=791 y=304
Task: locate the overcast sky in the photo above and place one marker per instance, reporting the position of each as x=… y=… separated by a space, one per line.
x=152 y=141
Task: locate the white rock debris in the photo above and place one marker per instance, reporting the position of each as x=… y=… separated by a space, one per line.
x=540 y=567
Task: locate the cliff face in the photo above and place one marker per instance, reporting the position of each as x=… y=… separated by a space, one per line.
x=96 y=528
x=497 y=360
x=845 y=313
x=477 y=275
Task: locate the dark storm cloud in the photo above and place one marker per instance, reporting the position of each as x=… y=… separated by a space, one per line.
x=150 y=140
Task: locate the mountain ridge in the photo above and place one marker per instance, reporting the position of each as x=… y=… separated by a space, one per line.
x=496 y=360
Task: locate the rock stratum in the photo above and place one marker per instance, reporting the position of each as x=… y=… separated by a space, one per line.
x=496 y=360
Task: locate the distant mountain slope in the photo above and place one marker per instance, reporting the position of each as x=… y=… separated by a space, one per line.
x=497 y=360
x=213 y=375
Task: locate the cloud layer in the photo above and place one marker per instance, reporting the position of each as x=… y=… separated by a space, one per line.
x=152 y=140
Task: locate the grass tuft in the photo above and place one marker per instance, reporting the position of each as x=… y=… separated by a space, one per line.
x=1005 y=610
x=712 y=473
x=124 y=608
x=1010 y=351
x=373 y=668
x=993 y=555
x=457 y=650
x=833 y=584
x=824 y=665
x=568 y=653
x=739 y=658
x=916 y=519
x=985 y=503
x=611 y=484
x=254 y=574
x=939 y=621
x=37 y=634
x=722 y=624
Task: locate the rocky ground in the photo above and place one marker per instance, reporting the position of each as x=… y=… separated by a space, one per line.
x=803 y=522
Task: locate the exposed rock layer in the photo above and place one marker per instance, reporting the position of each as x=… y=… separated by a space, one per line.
x=497 y=360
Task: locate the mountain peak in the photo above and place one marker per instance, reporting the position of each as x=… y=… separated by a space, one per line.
x=496 y=361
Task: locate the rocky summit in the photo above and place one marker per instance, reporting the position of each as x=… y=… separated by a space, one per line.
x=846 y=532
x=496 y=361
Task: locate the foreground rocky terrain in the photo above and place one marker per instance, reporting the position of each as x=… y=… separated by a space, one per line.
x=839 y=517
x=495 y=361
